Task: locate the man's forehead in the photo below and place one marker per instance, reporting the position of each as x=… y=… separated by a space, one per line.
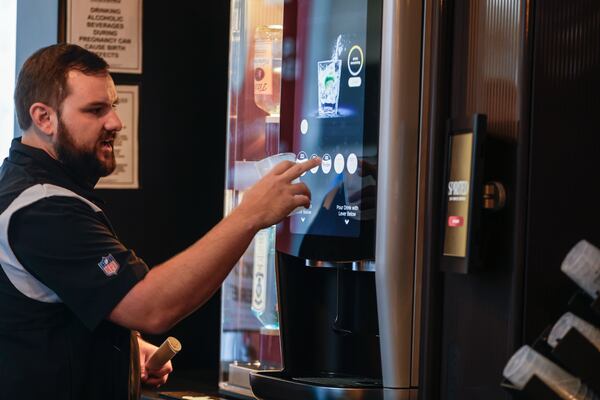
x=95 y=87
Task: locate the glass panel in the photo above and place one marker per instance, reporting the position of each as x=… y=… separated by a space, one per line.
x=8 y=23
x=249 y=324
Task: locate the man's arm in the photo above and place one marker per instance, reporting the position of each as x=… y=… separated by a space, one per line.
x=174 y=289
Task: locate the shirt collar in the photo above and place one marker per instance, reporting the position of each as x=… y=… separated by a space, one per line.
x=56 y=171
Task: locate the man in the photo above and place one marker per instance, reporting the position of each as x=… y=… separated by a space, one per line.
x=70 y=291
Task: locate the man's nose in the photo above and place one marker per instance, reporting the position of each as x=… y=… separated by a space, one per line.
x=113 y=122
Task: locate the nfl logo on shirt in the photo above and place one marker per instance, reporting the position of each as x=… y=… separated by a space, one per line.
x=109 y=265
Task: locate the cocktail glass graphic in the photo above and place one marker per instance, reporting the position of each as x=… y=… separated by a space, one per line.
x=329 y=72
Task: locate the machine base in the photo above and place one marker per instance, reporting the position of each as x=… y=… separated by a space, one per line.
x=276 y=385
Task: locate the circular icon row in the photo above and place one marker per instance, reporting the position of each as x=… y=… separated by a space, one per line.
x=339 y=163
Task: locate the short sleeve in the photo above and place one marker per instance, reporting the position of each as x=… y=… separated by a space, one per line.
x=72 y=250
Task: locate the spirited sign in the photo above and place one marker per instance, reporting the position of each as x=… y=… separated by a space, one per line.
x=110 y=28
x=458 y=190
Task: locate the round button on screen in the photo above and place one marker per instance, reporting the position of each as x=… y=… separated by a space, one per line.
x=326 y=163
x=302 y=157
x=304 y=126
x=352 y=163
x=338 y=163
x=315 y=169
x=355 y=60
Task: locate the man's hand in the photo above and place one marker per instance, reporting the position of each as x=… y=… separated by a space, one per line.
x=275 y=196
x=152 y=378
x=178 y=286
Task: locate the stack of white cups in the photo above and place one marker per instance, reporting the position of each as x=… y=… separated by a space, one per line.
x=526 y=362
x=264 y=166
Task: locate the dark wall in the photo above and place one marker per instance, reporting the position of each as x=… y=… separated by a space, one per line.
x=182 y=134
x=564 y=149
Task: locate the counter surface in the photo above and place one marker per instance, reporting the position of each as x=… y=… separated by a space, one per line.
x=193 y=383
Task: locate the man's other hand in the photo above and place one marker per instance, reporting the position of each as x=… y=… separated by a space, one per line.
x=154 y=378
x=275 y=196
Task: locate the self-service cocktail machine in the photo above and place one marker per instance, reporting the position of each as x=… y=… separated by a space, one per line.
x=325 y=254
x=344 y=319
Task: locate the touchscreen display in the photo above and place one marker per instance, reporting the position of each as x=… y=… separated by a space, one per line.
x=329 y=117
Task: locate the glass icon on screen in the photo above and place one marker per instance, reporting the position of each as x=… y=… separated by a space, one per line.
x=329 y=73
x=329 y=87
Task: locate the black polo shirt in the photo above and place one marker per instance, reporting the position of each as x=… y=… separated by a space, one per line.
x=62 y=272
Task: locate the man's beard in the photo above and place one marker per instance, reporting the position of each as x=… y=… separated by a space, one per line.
x=86 y=163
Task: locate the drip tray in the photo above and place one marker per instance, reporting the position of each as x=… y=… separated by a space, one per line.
x=277 y=385
x=341 y=381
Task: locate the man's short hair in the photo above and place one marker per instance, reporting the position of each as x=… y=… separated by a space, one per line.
x=43 y=77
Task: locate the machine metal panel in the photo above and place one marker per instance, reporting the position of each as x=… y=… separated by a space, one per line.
x=397 y=188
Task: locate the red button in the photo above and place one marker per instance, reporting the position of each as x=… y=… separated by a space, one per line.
x=454 y=221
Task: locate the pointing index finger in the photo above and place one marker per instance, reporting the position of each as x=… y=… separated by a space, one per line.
x=301 y=167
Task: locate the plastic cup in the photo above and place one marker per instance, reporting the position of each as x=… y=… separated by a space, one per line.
x=265 y=165
x=570 y=321
x=526 y=362
x=582 y=265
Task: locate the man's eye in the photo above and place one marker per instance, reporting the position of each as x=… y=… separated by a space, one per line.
x=95 y=111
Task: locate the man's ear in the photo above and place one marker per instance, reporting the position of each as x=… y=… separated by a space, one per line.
x=43 y=118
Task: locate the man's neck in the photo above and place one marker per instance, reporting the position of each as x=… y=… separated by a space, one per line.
x=33 y=139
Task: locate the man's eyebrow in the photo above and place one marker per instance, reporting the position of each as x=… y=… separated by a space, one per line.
x=99 y=104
